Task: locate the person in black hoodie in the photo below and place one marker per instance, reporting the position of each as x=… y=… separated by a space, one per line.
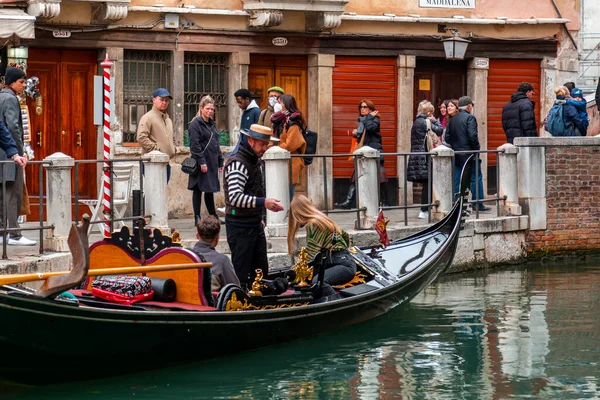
x=518 y=116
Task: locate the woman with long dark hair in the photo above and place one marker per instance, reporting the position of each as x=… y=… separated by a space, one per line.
x=291 y=137
x=367 y=132
x=205 y=149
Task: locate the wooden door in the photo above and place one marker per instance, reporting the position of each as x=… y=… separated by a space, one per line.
x=436 y=82
x=66 y=124
x=289 y=72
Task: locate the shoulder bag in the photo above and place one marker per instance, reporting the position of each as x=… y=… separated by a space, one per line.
x=190 y=165
x=431 y=139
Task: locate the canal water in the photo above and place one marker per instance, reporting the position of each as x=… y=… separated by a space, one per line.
x=529 y=333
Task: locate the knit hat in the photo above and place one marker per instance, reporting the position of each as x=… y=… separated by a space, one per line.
x=276 y=89
x=576 y=92
x=12 y=75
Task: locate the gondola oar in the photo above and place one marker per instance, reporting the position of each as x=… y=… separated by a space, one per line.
x=21 y=278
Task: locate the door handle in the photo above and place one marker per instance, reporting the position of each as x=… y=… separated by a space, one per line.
x=39 y=142
x=78 y=139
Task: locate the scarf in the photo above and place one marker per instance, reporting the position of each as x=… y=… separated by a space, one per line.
x=360 y=129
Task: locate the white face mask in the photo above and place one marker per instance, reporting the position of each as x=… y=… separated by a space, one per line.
x=277 y=107
x=273 y=100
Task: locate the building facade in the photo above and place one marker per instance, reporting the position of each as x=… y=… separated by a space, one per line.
x=330 y=54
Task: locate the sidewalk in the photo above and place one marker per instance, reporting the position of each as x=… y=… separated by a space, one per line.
x=396 y=229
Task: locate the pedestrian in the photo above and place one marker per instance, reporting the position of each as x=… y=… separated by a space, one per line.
x=292 y=138
x=367 y=133
x=570 y=124
x=340 y=268
x=250 y=114
x=518 y=115
x=578 y=101
x=597 y=97
x=245 y=203
x=222 y=272
x=13 y=175
x=444 y=113
x=462 y=135
x=155 y=130
x=417 y=170
x=273 y=107
x=205 y=149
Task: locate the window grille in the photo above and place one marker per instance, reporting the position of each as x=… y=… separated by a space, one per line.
x=205 y=74
x=143 y=72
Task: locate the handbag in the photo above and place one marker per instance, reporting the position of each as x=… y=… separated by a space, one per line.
x=431 y=139
x=189 y=165
x=356 y=144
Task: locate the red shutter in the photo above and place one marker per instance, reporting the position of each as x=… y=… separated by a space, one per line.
x=356 y=79
x=503 y=79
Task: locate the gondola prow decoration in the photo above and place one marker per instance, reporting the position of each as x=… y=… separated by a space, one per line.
x=304 y=273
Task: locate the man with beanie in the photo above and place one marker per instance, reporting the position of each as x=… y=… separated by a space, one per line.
x=274 y=107
x=518 y=116
x=10 y=114
x=155 y=131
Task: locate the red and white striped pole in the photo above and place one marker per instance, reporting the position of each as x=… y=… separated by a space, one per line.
x=106 y=65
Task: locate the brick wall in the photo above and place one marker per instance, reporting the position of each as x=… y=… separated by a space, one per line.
x=573 y=202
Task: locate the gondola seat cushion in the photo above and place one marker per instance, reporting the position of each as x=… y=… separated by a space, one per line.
x=123 y=289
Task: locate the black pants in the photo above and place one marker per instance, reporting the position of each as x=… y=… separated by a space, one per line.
x=424 y=194
x=248 y=251
x=340 y=270
x=209 y=201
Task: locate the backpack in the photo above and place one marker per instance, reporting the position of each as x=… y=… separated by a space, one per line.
x=554 y=120
x=310 y=137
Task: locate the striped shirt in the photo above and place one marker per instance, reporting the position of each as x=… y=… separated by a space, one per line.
x=236 y=177
x=317 y=239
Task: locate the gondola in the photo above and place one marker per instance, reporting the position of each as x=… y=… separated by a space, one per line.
x=48 y=337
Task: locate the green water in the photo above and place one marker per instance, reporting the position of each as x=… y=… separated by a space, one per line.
x=511 y=333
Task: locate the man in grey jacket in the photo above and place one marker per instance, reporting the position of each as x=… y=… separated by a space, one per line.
x=13 y=176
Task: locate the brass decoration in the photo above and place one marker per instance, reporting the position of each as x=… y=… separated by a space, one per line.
x=357 y=280
x=235 y=305
x=352 y=249
x=176 y=237
x=304 y=273
x=257 y=286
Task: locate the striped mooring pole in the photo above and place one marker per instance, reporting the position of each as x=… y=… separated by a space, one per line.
x=106 y=65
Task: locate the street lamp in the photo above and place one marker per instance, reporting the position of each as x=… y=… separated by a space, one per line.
x=455 y=47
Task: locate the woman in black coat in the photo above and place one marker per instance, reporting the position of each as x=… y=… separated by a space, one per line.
x=417 y=164
x=205 y=149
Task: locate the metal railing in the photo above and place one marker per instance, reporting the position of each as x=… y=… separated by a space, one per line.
x=4 y=229
x=138 y=209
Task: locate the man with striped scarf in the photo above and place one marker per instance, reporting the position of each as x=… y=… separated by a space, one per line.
x=245 y=203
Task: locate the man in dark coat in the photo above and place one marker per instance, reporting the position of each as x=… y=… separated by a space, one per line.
x=10 y=114
x=518 y=116
x=461 y=135
x=598 y=95
x=250 y=114
x=245 y=202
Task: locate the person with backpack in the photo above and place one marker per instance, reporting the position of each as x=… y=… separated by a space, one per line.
x=367 y=133
x=518 y=115
x=563 y=119
x=292 y=137
x=578 y=101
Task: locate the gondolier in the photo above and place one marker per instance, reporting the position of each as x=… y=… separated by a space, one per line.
x=245 y=203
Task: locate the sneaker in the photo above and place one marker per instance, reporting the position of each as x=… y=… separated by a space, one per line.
x=423 y=215
x=221 y=210
x=22 y=241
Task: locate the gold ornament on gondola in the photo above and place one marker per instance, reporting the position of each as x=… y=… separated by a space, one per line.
x=257 y=286
x=304 y=273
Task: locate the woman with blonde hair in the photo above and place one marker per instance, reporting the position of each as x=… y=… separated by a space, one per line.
x=573 y=124
x=320 y=230
x=205 y=149
x=417 y=164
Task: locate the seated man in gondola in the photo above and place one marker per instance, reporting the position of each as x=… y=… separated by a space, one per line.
x=208 y=230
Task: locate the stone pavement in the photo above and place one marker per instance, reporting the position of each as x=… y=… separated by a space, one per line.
x=25 y=259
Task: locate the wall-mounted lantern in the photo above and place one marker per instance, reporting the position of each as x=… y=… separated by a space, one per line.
x=455 y=47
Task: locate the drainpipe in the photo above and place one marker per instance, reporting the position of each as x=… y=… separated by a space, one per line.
x=564 y=25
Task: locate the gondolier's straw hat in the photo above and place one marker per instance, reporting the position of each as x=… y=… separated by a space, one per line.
x=261 y=133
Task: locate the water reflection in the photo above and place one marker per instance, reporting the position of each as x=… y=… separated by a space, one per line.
x=505 y=334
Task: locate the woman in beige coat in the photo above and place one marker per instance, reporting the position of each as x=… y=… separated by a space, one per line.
x=292 y=138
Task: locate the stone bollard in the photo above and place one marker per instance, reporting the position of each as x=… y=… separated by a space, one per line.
x=531 y=166
x=368 y=186
x=155 y=190
x=442 y=187
x=277 y=182
x=58 y=193
x=509 y=183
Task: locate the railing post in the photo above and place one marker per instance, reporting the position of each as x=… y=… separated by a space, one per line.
x=531 y=165
x=277 y=182
x=367 y=174
x=58 y=195
x=155 y=188
x=442 y=188
x=509 y=182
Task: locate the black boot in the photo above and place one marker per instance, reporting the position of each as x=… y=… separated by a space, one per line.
x=383 y=195
x=196 y=219
x=349 y=197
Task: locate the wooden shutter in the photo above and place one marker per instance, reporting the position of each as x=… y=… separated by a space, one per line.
x=356 y=79
x=504 y=78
